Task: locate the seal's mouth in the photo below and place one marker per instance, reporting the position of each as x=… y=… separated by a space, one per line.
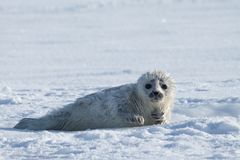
x=156 y=99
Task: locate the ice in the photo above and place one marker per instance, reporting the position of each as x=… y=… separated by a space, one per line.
x=52 y=52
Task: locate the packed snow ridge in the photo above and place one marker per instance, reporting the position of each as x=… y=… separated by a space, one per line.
x=8 y=97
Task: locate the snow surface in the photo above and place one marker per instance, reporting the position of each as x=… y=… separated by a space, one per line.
x=53 y=51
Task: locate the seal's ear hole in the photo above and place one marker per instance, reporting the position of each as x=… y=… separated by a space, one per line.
x=164 y=86
x=148 y=86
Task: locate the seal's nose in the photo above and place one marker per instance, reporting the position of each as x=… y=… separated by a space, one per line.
x=156 y=93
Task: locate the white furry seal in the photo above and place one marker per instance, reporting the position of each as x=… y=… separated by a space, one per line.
x=146 y=102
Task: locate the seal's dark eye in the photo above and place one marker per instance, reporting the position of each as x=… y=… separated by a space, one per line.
x=164 y=86
x=148 y=86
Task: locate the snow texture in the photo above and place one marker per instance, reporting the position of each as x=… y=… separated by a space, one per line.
x=52 y=52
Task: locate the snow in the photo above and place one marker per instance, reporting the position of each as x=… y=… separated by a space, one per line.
x=8 y=97
x=52 y=52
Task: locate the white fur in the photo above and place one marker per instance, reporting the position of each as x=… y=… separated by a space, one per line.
x=124 y=106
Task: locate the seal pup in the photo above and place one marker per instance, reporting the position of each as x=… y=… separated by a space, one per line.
x=146 y=102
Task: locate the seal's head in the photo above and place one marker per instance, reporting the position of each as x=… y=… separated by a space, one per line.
x=155 y=87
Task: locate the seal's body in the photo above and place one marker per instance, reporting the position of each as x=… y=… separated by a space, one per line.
x=147 y=102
